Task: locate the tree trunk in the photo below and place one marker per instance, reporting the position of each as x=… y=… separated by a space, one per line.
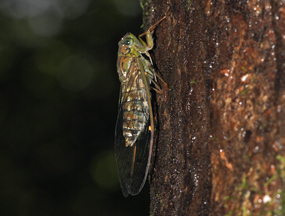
x=220 y=140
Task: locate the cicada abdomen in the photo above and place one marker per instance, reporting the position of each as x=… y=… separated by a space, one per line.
x=135 y=109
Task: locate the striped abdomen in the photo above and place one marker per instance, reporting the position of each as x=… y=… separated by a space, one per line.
x=135 y=108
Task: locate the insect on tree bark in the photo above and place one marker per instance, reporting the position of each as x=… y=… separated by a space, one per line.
x=135 y=125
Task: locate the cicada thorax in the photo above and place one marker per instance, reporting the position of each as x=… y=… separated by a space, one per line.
x=134 y=104
x=124 y=62
x=123 y=65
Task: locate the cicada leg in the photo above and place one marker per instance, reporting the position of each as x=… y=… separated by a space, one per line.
x=148 y=33
x=157 y=88
x=164 y=93
x=151 y=74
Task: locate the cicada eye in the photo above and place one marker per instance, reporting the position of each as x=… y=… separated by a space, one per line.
x=128 y=41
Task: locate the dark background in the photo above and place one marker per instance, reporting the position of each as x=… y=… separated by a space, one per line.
x=58 y=106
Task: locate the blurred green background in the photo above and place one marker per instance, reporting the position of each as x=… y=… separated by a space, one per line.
x=58 y=107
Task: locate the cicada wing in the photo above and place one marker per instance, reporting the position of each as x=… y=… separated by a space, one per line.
x=132 y=161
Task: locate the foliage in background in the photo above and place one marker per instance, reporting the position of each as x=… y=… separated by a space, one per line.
x=58 y=107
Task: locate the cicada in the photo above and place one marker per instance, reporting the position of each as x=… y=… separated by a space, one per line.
x=135 y=125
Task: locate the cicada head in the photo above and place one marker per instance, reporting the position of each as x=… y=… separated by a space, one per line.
x=127 y=45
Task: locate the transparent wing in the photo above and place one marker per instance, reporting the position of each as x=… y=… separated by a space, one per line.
x=132 y=161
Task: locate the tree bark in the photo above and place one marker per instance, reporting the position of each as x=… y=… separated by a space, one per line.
x=221 y=125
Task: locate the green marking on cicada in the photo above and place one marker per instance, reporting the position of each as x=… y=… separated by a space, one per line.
x=135 y=124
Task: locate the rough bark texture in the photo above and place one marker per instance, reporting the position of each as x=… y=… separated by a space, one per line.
x=221 y=125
